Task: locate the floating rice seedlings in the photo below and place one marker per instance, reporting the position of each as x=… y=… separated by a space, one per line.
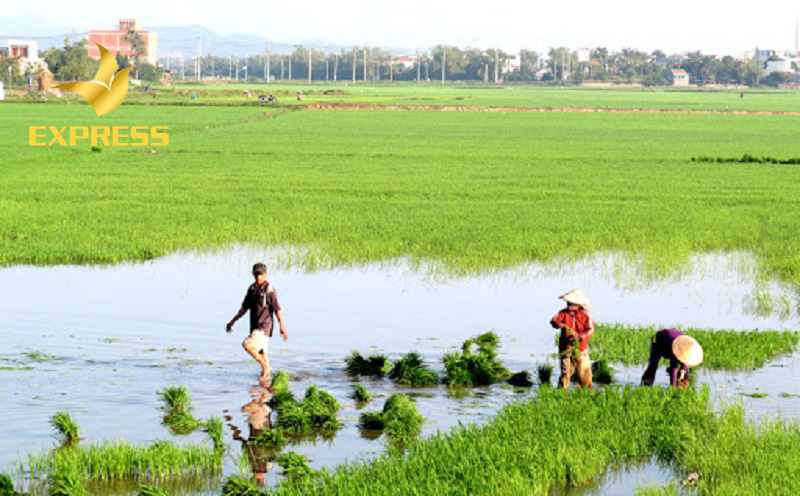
x=374 y=366
x=181 y=423
x=295 y=467
x=399 y=418
x=66 y=484
x=602 y=373
x=544 y=371
x=66 y=428
x=270 y=438
x=755 y=395
x=176 y=398
x=411 y=371
x=284 y=397
x=280 y=382
x=38 y=356
x=152 y=491
x=477 y=363
x=240 y=485
x=7 y=486
x=360 y=395
x=317 y=412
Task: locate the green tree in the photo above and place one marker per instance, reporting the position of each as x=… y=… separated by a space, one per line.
x=72 y=62
x=138 y=49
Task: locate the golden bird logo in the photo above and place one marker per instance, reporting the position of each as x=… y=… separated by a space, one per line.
x=107 y=90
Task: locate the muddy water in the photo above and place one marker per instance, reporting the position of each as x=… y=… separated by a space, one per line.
x=100 y=342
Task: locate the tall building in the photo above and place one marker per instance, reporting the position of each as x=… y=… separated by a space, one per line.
x=114 y=40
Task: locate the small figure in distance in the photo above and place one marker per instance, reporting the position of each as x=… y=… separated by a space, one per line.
x=300 y=95
x=681 y=350
x=577 y=328
x=271 y=98
x=261 y=301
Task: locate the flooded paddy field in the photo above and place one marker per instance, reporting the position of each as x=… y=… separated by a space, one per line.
x=100 y=342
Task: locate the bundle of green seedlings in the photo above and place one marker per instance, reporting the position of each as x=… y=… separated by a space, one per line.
x=7 y=486
x=317 y=412
x=374 y=366
x=360 y=395
x=583 y=433
x=280 y=382
x=521 y=379
x=399 y=419
x=723 y=349
x=602 y=373
x=241 y=485
x=544 y=371
x=66 y=428
x=295 y=468
x=410 y=370
x=148 y=490
x=178 y=406
x=469 y=368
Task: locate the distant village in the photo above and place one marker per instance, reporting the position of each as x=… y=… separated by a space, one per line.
x=23 y=63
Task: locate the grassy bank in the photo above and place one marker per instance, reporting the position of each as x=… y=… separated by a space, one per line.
x=558 y=439
x=468 y=191
x=724 y=349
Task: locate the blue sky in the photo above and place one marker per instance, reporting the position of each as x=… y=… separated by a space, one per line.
x=679 y=25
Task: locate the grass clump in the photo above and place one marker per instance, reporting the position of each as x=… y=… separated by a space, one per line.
x=295 y=468
x=411 y=371
x=360 y=395
x=602 y=373
x=240 y=485
x=7 y=486
x=270 y=438
x=280 y=382
x=176 y=398
x=213 y=428
x=521 y=379
x=399 y=418
x=374 y=366
x=178 y=406
x=66 y=484
x=152 y=491
x=66 y=428
x=317 y=412
x=544 y=372
x=476 y=364
x=723 y=349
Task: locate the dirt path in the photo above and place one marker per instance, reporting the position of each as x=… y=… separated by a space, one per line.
x=467 y=108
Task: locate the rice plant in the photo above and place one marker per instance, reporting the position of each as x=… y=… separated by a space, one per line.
x=316 y=413
x=410 y=370
x=476 y=364
x=521 y=379
x=7 y=486
x=213 y=428
x=181 y=423
x=280 y=382
x=295 y=467
x=240 y=485
x=278 y=399
x=270 y=438
x=66 y=484
x=360 y=395
x=176 y=398
x=602 y=373
x=147 y=490
x=399 y=418
x=374 y=366
x=66 y=428
x=544 y=371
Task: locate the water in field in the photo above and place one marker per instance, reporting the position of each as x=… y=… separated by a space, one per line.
x=100 y=342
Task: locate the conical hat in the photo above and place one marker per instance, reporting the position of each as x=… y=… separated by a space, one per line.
x=577 y=297
x=687 y=350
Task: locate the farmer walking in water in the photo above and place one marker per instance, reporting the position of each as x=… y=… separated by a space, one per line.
x=262 y=301
x=577 y=327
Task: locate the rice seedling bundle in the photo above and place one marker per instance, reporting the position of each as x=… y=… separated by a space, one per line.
x=521 y=379
x=360 y=395
x=399 y=418
x=602 y=373
x=373 y=366
x=317 y=412
x=544 y=371
x=471 y=367
x=410 y=370
x=295 y=467
x=280 y=382
x=239 y=485
x=66 y=428
x=147 y=490
x=270 y=438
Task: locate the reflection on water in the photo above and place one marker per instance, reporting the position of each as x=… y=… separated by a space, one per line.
x=73 y=338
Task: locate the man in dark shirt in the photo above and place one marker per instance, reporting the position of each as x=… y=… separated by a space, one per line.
x=261 y=301
x=681 y=350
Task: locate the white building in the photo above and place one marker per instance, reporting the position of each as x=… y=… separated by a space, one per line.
x=26 y=50
x=405 y=62
x=778 y=65
x=512 y=64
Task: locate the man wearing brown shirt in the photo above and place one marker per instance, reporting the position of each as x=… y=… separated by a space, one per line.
x=261 y=301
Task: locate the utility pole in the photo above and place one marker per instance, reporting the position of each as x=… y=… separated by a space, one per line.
x=200 y=58
x=419 y=67
x=365 y=62
x=309 y=66
x=269 y=56
x=496 y=65
x=236 y=64
x=281 y=68
x=182 y=70
x=378 y=70
x=230 y=67
x=327 y=68
x=290 y=67
x=444 y=61
x=354 y=65
x=391 y=69
x=335 y=66
x=213 y=69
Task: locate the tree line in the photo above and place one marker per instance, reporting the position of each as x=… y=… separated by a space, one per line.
x=560 y=65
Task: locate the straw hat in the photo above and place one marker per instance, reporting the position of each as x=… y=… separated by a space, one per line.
x=687 y=350
x=577 y=297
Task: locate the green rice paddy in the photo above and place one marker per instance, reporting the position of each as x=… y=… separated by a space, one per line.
x=466 y=191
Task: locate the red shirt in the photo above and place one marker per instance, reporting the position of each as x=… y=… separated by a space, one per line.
x=580 y=321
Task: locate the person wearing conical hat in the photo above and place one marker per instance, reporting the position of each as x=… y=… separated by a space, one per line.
x=576 y=327
x=681 y=350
